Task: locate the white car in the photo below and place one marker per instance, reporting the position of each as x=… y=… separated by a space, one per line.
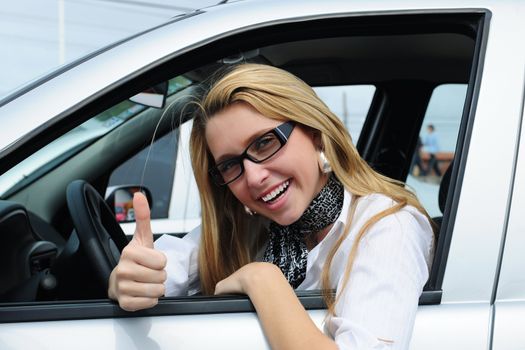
x=459 y=65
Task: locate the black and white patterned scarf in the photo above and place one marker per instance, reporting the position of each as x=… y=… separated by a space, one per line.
x=287 y=247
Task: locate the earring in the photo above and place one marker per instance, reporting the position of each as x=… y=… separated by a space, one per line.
x=324 y=164
x=249 y=211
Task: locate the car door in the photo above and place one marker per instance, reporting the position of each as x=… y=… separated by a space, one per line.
x=461 y=279
x=470 y=314
x=509 y=294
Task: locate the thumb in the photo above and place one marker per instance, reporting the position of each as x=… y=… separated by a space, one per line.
x=143 y=235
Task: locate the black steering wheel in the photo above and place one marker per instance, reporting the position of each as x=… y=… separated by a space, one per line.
x=98 y=231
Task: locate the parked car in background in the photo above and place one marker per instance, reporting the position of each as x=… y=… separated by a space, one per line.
x=403 y=63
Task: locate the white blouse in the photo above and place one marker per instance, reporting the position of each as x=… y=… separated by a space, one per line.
x=378 y=306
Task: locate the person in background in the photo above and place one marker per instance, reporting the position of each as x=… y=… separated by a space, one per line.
x=416 y=160
x=431 y=143
x=287 y=203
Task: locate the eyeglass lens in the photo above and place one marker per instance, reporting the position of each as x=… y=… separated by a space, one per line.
x=261 y=149
x=258 y=151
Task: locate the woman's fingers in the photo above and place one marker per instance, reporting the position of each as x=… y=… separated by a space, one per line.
x=144 y=256
x=139 y=273
x=138 y=287
x=242 y=280
x=138 y=280
x=231 y=284
x=129 y=303
x=143 y=235
x=141 y=290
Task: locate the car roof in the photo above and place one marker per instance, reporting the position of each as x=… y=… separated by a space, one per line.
x=86 y=79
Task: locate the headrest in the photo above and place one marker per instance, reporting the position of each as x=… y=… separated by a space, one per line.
x=443 y=187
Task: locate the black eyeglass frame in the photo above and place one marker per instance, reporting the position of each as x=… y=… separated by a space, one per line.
x=282 y=132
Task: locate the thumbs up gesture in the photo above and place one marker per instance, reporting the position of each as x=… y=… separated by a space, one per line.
x=137 y=281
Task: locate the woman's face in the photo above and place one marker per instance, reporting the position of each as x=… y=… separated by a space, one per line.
x=292 y=173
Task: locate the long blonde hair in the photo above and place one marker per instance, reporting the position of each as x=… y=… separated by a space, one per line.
x=229 y=236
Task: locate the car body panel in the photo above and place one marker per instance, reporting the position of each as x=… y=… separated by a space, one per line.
x=241 y=331
x=478 y=229
x=452 y=326
x=166 y=41
x=508 y=325
x=511 y=284
x=164 y=332
x=509 y=304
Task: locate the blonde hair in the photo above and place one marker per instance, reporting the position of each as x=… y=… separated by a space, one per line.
x=277 y=94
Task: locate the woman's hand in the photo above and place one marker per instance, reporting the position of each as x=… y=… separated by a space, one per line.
x=247 y=278
x=284 y=320
x=137 y=281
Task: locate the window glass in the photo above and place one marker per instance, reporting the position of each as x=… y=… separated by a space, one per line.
x=74 y=141
x=438 y=139
x=154 y=168
x=66 y=146
x=350 y=103
x=184 y=211
x=164 y=168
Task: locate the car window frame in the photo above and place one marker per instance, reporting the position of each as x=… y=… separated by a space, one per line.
x=67 y=310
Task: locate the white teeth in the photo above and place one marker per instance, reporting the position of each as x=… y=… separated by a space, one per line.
x=276 y=192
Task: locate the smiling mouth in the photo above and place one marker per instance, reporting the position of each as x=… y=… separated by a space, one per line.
x=275 y=194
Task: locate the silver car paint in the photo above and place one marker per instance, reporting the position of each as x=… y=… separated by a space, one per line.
x=509 y=306
x=463 y=318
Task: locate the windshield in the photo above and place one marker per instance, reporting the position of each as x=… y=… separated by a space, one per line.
x=74 y=141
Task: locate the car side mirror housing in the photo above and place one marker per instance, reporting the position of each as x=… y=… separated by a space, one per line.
x=120 y=200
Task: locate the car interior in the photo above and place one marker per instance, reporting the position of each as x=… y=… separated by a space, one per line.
x=44 y=255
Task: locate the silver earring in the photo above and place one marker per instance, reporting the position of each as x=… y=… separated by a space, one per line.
x=324 y=164
x=249 y=211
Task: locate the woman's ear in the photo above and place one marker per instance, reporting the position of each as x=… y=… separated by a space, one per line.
x=315 y=136
x=317 y=140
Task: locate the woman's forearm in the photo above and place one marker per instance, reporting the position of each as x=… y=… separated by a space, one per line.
x=285 y=322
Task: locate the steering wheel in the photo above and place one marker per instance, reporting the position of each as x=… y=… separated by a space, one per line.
x=98 y=230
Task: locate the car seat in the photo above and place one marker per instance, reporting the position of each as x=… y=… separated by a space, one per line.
x=442 y=197
x=25 y=259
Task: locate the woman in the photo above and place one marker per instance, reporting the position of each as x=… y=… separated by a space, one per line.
x=287 y=203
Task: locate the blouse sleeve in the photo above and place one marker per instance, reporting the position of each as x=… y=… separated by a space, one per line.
x=377 y=308
x=182 y=266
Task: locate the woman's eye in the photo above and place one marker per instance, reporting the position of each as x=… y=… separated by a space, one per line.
x=264 y=143
x=227 y=166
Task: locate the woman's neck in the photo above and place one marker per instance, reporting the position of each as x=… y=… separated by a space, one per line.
x=317 y=237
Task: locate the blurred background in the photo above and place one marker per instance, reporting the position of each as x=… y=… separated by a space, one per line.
x=36 y=36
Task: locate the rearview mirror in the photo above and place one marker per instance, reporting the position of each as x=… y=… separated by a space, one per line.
x=152 y=97
x=120 y=200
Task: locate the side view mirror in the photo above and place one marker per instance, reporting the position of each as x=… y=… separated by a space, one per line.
x=120 y=200
x=153 y=97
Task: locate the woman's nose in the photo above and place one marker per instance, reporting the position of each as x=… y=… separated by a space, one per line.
x=255 y=173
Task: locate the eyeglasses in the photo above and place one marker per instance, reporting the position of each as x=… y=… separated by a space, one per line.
x=261 y=149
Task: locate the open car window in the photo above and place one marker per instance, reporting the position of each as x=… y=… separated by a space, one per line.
x=350 y=103
x=380 y=81
x=443 y=114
